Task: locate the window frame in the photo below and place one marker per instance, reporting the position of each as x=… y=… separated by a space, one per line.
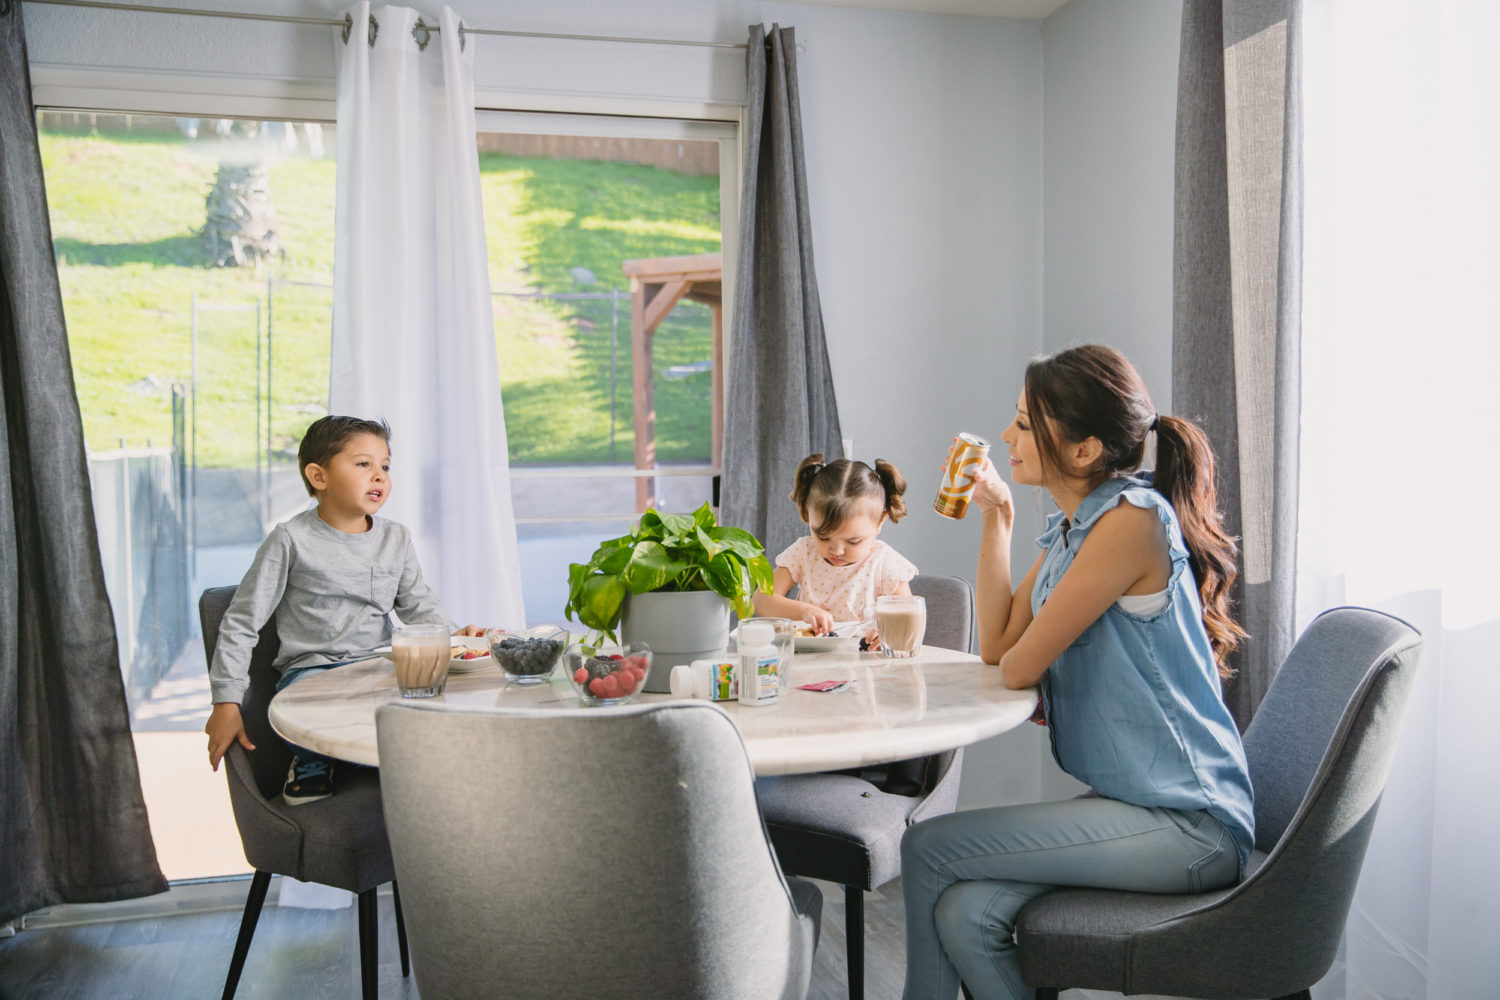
x=577 y=123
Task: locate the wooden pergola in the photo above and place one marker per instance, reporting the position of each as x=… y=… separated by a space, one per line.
x=656 y=286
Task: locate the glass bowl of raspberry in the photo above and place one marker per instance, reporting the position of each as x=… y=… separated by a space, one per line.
x=605 y=673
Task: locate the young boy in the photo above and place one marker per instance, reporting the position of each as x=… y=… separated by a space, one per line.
x=330 y=575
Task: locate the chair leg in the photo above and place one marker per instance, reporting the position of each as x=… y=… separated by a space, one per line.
x=1299 y=995
x=401 y=931
x=1046 y=993
x=854 y=938
x=369 y=937
x=253 y=902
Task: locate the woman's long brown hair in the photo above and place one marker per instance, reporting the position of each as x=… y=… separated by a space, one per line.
x=1093 y=391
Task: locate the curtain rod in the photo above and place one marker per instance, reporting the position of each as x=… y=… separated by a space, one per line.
x=345 y=22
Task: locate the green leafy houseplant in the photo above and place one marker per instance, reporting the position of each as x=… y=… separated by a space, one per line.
x=670 y=552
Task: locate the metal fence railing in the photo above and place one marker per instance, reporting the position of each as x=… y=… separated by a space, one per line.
x=138 y=511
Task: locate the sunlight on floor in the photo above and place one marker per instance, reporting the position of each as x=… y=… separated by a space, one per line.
x=191 y=821
x=188 y=803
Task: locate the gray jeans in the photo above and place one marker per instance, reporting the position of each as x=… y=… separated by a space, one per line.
x=966 y=875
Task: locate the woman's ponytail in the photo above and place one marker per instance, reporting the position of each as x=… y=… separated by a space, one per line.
x=1185 y=476
x=894 y=485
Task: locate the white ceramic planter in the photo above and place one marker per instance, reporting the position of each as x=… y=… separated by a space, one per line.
x=679 y=628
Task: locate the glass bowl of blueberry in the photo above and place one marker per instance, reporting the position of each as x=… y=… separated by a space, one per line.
x=527 y=656
x=606 y=674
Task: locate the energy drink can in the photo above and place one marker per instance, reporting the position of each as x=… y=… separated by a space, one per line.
x=969 y=453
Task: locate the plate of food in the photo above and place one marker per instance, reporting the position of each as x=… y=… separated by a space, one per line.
x=840 y=634
x=807 y=642
x=469 y=653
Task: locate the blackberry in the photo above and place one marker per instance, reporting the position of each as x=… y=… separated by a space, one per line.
x=599 y=667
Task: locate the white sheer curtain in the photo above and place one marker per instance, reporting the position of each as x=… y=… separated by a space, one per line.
x=413 y=332
x=1401 y=445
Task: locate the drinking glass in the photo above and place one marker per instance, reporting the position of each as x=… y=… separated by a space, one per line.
x=901 y=620
x=421 y=653
x=784 y=638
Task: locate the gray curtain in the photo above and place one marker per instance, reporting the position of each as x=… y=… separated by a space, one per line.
x=781 y=406
x=72 y=820
x=1237 y=297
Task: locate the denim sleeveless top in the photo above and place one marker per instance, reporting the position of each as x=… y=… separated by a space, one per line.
x=1133 y=705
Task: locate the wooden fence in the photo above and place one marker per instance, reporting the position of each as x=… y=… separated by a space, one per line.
x=691 y=156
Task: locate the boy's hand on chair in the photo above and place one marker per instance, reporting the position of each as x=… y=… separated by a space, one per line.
x=225 y=727
x=820 y=620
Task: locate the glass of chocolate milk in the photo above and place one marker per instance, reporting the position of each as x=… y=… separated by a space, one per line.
x=422 y=654
x=901 y=620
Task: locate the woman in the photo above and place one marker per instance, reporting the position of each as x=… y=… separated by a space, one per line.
x=1123 y=622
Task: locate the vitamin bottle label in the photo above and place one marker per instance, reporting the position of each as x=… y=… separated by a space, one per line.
x=766 y=678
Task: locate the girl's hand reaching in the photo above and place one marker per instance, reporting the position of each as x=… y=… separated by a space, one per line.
x=820 y=620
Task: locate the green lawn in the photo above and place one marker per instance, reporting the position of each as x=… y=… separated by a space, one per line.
x=125 y=209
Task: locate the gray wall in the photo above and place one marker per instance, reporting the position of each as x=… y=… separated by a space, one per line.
x=1109 y=96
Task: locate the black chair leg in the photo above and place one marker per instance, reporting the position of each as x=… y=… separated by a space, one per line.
x=854 y=938
x=1046 y=993
x=253 y=902
x=401 y=931
x=1299 y=995
x=369 y=937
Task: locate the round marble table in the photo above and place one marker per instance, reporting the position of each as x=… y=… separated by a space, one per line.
x=894 y=709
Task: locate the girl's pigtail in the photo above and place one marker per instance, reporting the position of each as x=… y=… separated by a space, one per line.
x=807 y=471
x=1185 y=476
x=895 y=486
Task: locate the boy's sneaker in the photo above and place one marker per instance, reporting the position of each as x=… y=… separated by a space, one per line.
x=307 y=781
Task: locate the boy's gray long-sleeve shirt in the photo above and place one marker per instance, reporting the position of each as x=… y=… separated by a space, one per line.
x=330 y=591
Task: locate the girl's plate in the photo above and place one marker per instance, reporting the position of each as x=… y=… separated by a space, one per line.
x=843 y=633
x=821 y=643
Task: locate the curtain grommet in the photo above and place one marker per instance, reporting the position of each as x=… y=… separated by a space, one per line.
x=422 y=34
x=374 y=30
x=348 y=26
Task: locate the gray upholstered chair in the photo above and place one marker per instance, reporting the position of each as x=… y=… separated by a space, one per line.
x=846 y=827
x=1319 y=749
x=587 y=853
x=338 y=841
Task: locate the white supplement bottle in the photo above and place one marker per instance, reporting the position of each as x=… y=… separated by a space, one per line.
x=760 y=665
x=709 y=680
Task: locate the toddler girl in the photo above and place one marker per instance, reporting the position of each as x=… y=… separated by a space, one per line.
x=841 y=567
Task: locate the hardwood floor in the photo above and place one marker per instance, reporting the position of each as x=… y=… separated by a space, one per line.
x=305 y=954
x=885 y=945
x=315 y=953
